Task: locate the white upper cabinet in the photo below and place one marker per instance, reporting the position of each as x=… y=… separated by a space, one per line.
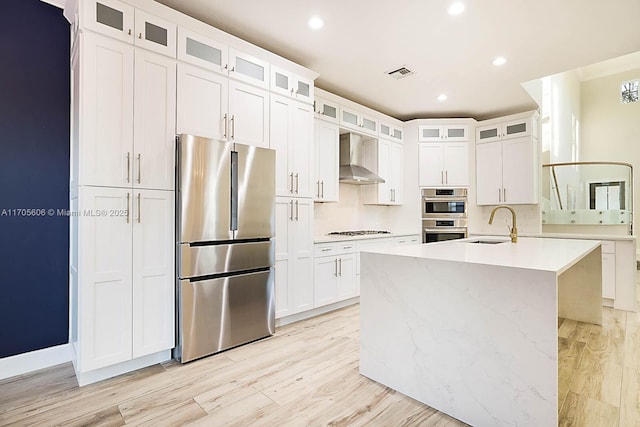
x=289 y=84
x=327 y=160
x=327 y=110
x=509 y=129
x=390 y=131
x=356 y=120
x=155 y=34
x=202 y=103
x=202 y=51
x=443 y=164
x=441 y=133
x=291 y=135
x=106 y=112
x=154 y=121
x=248 y=115
x=385 y=158
x=121 y=21
x=248 y=68
x=112 y=18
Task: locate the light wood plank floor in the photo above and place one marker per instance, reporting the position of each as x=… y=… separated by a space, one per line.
x=307 y=375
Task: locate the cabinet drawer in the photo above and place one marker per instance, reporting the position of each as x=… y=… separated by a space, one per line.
x=608 y=246
x=407 y=240
x=331 y=249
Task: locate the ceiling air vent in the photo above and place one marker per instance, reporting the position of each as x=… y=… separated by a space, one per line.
x=399 y=73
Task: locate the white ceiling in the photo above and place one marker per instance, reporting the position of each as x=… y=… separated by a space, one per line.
x=362 y=39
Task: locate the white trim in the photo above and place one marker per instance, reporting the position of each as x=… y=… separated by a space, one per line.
x=316 y=312
x=34 y=360
x=90 y=377
x=56 y=3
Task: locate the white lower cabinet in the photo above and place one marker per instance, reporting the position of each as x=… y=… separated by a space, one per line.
x=334 y=273
x=608 y=269
x=294 y=255
x=125 y=280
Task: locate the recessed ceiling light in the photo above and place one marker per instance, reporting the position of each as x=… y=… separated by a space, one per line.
x=500 y=60
x=315 y=23
x=442 y=97
x=456 y=8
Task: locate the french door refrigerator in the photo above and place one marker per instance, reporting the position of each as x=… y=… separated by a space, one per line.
x=225 y=248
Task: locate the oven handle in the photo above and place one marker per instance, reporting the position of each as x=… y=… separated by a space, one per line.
x=450 y=230
x=444 y=199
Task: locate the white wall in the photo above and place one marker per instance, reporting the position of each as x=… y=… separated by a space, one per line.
x=611 y=129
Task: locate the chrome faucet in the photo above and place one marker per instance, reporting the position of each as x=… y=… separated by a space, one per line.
x=513 y=231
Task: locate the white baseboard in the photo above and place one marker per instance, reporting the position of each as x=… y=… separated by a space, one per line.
x=34 y=360
x=90 y=377
x=316 y=312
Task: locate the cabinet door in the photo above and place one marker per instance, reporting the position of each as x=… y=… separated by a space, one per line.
x=488 y=133
x=302 y=256
x=280 y=140
x=327 y=110
x=301 y=154
x=608 y=276
x=283 y=289
x=202 y=103
x=456 y=133
x=489 y=173
x=106 y=117
x=349 y=118
x=153 y=271
x=325 y=281
x=519 y=177
x=202 y=51
x=431 y=173
x=347 y=277
x=112 y=18
x=105 y=276
x=281 y=81
x=516 y=128
x=397 y=173
x=303 y=89
x=369 y=124
x=154 y=121
x=248 y=68
x=430 y=133
x=384 y=171
x=456 y=164
x=327 y=159
x=249 y=112
x=155 y=34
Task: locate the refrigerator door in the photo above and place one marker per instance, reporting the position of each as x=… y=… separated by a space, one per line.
x=204 y=189
x=255 y=203
x=194 y=261
x=221 y=313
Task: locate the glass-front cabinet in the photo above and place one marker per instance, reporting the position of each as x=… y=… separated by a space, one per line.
x=327 y=110
x=202 y=51
x=442 y=133
x=587 y=193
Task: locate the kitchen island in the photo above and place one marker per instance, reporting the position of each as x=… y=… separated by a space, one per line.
x=471 y=328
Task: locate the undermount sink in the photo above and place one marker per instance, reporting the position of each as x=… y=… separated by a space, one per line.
x=487 y=241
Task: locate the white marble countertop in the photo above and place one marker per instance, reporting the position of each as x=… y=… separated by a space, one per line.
x=545 y=254
x=330 y=239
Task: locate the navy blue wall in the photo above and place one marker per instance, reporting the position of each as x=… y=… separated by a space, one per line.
x=34 y=174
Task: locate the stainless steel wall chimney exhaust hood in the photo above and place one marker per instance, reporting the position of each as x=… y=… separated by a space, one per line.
x=351 y=169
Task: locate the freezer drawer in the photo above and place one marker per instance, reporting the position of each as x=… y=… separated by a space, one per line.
x=221 y=313
x=225 y=258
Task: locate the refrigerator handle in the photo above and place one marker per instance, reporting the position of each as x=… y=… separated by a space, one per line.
x=234 y=190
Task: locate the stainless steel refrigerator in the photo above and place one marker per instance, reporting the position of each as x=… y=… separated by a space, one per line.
x=225 y=248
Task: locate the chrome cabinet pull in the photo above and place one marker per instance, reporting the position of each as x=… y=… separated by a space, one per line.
x=129 y=31
x=499 y=195
x=326 y=250
x=140 y=35
x=128 y=204
x=128 y=167
x=297 y=183
x=291 y=182
x=441 y=177
x=224 y=135
x=139 y=166
x=291 y=206
x=340 y=265
x=233 y=125
x=336 y=273
x=297 y=211
x=318 y=188
x=139 y=214
x=446 y=177
x=504 y=195
x=322 y=185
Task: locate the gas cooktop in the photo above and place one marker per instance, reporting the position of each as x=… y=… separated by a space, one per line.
x=357 y=232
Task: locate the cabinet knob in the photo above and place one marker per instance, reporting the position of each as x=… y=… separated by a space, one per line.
x=129 y=31
x=140 y=35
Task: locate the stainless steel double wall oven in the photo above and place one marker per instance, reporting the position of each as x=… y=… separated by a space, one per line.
x=444 y=214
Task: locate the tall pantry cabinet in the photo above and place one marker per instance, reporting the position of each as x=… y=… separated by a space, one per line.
x=123 y=75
